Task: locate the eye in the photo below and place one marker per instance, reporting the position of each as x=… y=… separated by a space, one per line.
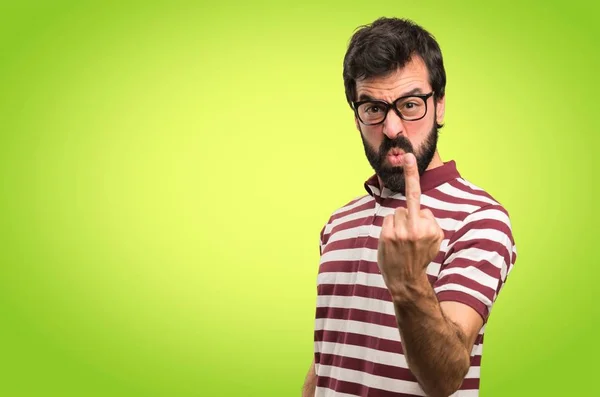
x=373 y=109
x=410 y=105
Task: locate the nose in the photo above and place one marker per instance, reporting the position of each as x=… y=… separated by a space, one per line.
x=393 y=125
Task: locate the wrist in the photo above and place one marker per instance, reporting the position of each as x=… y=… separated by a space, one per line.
x=410 y=291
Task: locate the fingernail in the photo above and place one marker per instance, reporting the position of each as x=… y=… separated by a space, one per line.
x=409 y=159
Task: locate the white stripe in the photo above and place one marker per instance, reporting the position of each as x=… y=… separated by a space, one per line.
x=376 y=356
x=372 y=381
x=493 y=257
x=351 y=254
x=473 y=373
x=457 y=287
x=325 y=392
x=373 y=231
x=360 y=201
x=477 y=350
x=364 y=353
x=447 y=224
x=357 y=327
x=366 y=279
x=367 y=329
x=375 y=190
x=474 y=274
x=486 y=214
x=477 y=255
x=431 y=202
x=469 y=184
x=461 y=194
x=446 y=206
x=366 y=254
x=357 y=302
x=486 y=234
x=345 y=278
x=347 y=218
x=466 y=393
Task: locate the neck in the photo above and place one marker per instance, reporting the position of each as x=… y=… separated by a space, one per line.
x=436 y=161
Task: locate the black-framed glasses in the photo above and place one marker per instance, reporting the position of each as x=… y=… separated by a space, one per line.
x=409 y=108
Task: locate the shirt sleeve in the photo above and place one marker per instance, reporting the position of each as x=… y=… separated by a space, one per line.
x=480 y=255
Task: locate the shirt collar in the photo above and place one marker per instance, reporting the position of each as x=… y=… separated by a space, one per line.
x=429 y=180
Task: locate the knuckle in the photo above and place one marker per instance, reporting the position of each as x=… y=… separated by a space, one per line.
x=413 y=233
x=401 y=211
x=403 y=235
x=434 y=231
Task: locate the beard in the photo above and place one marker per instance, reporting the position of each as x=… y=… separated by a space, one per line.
x=393 y=176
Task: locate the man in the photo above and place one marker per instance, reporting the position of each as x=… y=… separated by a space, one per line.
x=408 y=272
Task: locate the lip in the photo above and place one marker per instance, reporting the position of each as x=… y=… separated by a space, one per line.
x=395 y=157
x=396 y=152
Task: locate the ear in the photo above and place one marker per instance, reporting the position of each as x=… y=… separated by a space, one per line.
x=356 y=123
x=440 y=110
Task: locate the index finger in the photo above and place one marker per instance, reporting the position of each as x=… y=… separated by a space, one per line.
x=412 y=183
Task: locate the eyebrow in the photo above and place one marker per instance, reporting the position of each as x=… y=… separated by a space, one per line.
x=367 y=97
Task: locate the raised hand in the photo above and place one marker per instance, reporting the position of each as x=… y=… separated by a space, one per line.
x=410 y=238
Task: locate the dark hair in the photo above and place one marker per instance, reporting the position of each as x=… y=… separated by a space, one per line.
x=386 y=45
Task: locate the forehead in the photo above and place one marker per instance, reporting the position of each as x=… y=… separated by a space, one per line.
x=412 y=76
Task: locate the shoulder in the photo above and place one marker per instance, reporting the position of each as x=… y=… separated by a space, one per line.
x=485 y=205
x=485 y=224
x=466 y=202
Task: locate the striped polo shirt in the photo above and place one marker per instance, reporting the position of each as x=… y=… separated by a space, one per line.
x=358 y=351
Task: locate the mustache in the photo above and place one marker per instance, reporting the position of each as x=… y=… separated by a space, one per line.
x=399 y=142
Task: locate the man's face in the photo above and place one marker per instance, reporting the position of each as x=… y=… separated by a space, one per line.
x=386 y=142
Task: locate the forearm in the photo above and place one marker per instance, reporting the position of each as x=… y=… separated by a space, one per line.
x=310 y=383
x=435 y=348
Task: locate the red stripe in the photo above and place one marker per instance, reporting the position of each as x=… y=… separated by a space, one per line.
x=344 y=212
x=372 y=342
x=466 y=282
x=366 y=242
x=358 y=389
x=455 y=214
x=461 y=186
x=357 y=265
x=349 y=338
x=458 y=216
x=491 y=247
x=339 y=267
x=450 y=199
x=484 y=266
x=470 y=384
x=384 y=370
x=369 y=221
x=463 y=297
x=349 y=224
x=482 y=244
x=363 y=266
x=364 y=291
x=482 y=224
x=349 y=243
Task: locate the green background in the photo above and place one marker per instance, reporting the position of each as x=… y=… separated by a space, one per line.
x=167 y=167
